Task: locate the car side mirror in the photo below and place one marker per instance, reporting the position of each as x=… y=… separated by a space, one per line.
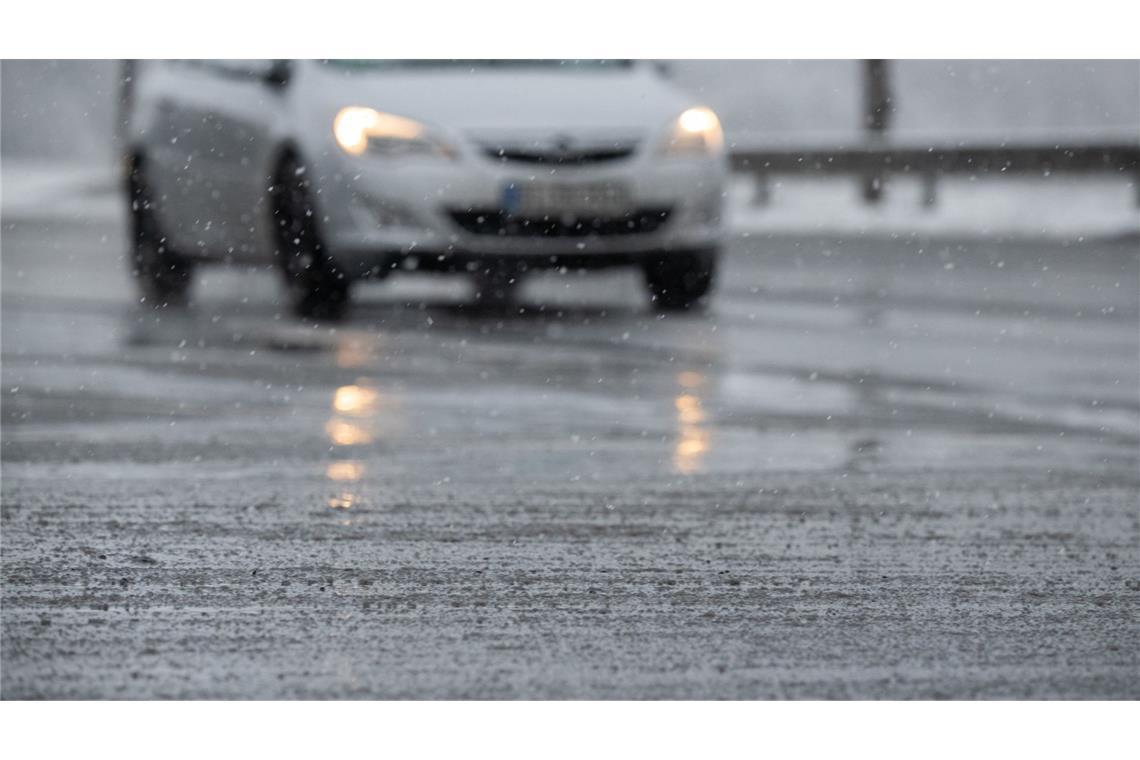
x=278 y=72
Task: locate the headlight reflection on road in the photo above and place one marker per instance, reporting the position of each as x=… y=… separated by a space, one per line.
x=692 y=441
x=690 y=379
x=346 y=474
x=347 y=433
x=350 y=471
x=354 y=407
x=356 y=351
x=689 y=410
x=355 y=400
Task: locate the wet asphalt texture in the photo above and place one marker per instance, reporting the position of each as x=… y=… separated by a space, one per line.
x=872 y=468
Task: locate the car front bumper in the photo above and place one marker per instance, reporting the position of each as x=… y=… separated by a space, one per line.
x=445 y=214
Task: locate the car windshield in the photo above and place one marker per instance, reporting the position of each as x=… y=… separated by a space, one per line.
x=370 y=65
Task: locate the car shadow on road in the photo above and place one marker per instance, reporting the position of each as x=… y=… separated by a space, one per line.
x=236 y=324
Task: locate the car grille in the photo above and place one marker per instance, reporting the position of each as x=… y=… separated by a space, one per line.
x=551 y=156
x=493 y=222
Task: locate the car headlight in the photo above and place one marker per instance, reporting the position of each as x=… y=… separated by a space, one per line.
x=365 y=130
x=695 y=132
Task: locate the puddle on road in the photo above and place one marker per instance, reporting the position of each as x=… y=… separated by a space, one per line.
x=718 y=418
x=787 y=394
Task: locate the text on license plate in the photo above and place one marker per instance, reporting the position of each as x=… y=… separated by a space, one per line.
x=544 y=199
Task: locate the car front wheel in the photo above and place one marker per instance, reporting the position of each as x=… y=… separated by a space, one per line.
x=317 y=288
x=679 y=281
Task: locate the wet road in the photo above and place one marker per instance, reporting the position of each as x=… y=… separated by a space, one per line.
x=874 y=468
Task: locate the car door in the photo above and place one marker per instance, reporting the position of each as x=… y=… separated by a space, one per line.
x=222 y=121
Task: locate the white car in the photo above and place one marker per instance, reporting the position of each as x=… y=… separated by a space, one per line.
x=345 y=170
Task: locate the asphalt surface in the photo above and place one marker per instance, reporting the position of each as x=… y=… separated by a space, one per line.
x=874 y=468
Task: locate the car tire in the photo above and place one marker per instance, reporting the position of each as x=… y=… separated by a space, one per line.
x=680 y=281
x=164 y=277
x=317 y=288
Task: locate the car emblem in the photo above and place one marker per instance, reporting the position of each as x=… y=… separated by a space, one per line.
x=563 y=144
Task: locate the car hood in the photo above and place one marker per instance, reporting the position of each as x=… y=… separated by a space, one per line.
x=493 y=103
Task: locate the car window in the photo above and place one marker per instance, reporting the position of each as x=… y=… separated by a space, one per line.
x=570 y=64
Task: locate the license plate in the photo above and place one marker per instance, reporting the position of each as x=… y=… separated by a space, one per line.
x=598 y=199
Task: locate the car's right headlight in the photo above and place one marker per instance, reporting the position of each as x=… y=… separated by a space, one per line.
x=695 y=132
x=359 y=130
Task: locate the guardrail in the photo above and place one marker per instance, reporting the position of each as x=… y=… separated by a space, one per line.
x=873 y=163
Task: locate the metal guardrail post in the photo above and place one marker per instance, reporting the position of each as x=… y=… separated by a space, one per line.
x=762 y=193
x=929 y=188
x=876 y=120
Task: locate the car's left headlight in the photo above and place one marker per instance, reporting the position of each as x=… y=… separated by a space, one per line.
x=695 y=132
x=360 y=130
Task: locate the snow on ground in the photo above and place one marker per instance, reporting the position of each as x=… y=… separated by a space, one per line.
x=1059 y=206
x=35 y=189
